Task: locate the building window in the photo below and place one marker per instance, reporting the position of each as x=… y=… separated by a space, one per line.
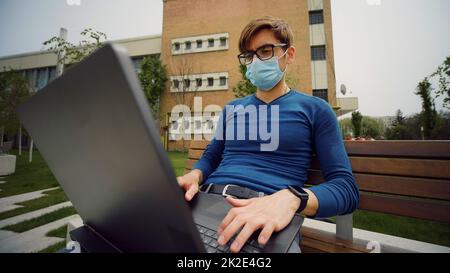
x=176 y=83
x=318 y=53
x=223 y=41
x=321 y=93
x=137 y=62
x=199 y=82
x=210 y=125
x=30 y=74
x=198 y=125
x=177 y=46
x=187 y=83
x=210 y=42
x=210 y=81
x=199 y=43
x=188 y=45
x=51 y=73
x=42 y=78
x=223 y=81
x=316 y=17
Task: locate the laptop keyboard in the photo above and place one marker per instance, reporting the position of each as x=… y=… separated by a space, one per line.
x=210 y=238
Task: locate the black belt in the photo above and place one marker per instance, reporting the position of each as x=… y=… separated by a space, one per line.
x=231 y=190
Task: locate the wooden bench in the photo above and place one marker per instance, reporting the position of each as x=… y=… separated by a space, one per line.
x=405 y=178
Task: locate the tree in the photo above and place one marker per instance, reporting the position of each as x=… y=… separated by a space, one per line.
x=14 y=90
x=185 y=87
x=346 y=127
x=372 y=127
x=443 y=74
x=356 y=123
x=153 y=77
x=398 y=130
x=244 y=87
x=399 y=118
x=442 y=129
x=428 y=109
x=69 y=53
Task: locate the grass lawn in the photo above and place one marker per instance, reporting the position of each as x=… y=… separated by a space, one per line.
x=28 y=177
x=406 y=227
x=54 y=248
x=41 y=220
x=54 y=197
x=60 y=232
x=178 y=159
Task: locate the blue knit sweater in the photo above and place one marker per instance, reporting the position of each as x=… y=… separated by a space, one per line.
x=307 y=125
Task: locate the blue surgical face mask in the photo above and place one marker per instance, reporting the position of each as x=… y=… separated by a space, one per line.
x=265 y=75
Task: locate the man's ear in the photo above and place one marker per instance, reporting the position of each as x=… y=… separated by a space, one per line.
x=290 y=55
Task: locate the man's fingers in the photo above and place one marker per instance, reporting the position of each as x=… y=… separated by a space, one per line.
x=266 y=233
x=243 y=236
x=230 y=230
x=239 y=202
x=190 y=193
x=232 y=213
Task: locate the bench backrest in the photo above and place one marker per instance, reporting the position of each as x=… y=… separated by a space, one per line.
x=406 y=178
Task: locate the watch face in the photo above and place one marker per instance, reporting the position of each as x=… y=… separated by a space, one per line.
x=301 y=192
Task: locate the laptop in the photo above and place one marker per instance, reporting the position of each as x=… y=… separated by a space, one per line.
x=94 y=128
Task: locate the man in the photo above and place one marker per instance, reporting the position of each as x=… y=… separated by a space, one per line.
x=307 y=125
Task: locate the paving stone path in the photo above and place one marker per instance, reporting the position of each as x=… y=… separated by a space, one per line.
x=35 y=239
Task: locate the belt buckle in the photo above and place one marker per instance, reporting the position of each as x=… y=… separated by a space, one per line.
x=224 y=191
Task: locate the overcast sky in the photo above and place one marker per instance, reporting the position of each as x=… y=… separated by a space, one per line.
x=382 y=48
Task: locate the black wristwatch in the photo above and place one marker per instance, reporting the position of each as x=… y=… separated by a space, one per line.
x=302 y=194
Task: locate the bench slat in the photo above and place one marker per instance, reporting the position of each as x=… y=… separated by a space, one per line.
x=403 y=148
x=318 y=241
x=189 y=163
x=199 y=144
x=195 y=154
x=397 y=166
x=406 y=206
x=410 y=186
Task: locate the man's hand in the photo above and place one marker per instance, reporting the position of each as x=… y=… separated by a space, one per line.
x=190 y=183
x=269 y=213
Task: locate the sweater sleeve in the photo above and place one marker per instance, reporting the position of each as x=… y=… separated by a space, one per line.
x=339 y=194
x=212 y=156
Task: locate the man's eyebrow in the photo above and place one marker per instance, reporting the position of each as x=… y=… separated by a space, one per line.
x=268 y=44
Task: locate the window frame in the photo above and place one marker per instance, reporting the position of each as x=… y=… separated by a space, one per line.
x=319 y=93
x=211 y=42
x=188 y=45
x=318 y=56
x=313 y=17
x=210 y=81
x=222 y=81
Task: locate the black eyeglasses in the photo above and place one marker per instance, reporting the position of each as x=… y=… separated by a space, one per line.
x=263 y=53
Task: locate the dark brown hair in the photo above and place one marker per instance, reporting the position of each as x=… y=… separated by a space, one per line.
x=279 y=27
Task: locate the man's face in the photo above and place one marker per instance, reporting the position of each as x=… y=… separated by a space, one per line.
x=266 y=37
